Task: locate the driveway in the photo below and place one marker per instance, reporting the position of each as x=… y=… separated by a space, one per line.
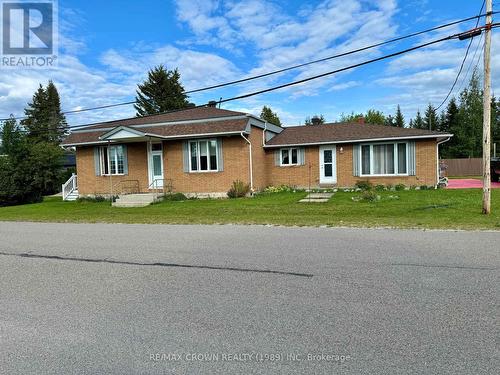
x=158 y=299
x=469 y=183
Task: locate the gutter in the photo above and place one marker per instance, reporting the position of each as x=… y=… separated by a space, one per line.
x=431 y=136
x=251 y=163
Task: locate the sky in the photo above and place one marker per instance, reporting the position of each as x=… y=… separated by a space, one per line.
x=107 y=47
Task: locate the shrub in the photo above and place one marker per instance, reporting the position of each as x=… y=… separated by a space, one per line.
x=278 y=189
x=379 y=187
x=92 y=199
x=370 y=196
x=425 y=187
x=364 y=185
x=400 y=187
x=174 y=197
x=238 y=189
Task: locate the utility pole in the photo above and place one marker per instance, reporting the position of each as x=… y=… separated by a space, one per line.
x=487 y=113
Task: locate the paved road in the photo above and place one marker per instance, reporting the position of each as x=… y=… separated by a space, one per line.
x=137 y=299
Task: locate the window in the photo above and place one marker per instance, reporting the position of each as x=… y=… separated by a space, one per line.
x=203 y=156
x=384 y=159
x=112 y=160
x=289 y=156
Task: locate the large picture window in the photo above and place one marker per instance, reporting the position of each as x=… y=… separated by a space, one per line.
x=112 y=160
x=384 y=159
x=203 y=156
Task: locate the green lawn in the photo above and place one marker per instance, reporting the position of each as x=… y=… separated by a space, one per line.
x=454 y=209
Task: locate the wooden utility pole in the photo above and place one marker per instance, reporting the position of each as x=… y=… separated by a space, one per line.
x=487 y=113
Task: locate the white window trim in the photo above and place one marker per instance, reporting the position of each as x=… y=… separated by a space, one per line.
x=290 y=164
x=396 y=161
x=107 y=149
x=197 y=141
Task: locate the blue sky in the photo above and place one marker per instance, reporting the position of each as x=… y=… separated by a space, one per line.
x=106 y=48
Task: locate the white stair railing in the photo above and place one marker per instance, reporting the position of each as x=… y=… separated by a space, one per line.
x=69 y=186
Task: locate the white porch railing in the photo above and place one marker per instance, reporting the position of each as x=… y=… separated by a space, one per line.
x=69 y=186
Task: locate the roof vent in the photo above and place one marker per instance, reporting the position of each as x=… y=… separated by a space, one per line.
x=315 y=120
x=212 y=103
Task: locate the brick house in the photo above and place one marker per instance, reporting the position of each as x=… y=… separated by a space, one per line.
x=203 y=150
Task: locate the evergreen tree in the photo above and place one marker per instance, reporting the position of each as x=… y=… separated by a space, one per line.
x=57 y=125
x=160 y=92
x=469 y=134
x=418 y=122
x=11 y=136
x=410 y=124
x=399 y=120
x=390 y=121
x=44 y=120
x=268 y=115
x=451 y=124
x=495 y=124
x=431 y=121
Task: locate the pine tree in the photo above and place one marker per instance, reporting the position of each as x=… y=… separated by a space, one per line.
x=418 y=122
x=160 y=92
x=431 y=121
x=390 y=121
x=451 y=124
x=471 y=119
x=11 y=136
x=44 y=120
x=268 y=115
x=410 y=124
x=399 y=120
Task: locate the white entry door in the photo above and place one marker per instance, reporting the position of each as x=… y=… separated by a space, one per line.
x=327 y=165
x=155 y=165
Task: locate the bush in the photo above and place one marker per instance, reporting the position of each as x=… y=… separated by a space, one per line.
x=379 y=187
x=238 y=189
x=425 y=187
x=278 y=189
x=364 y=185
x=174 y=197
x=400 y=187
x=92 y=199
x=370 y=196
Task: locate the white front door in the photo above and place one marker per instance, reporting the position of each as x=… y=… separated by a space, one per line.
x=155 y=165
x=327 y=165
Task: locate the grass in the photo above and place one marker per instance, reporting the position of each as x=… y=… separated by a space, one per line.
x=450 y=209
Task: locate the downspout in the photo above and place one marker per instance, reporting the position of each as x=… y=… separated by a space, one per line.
x=110 y=178
x=437 y=156
x=251 y=163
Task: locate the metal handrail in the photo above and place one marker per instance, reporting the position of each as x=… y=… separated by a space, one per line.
x=154 y=186
x=69 y=186
x=120 y=184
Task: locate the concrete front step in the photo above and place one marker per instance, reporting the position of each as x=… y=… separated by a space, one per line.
x=317 y=198
x=135 y=200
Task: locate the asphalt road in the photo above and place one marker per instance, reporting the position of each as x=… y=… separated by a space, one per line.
x=159 y=299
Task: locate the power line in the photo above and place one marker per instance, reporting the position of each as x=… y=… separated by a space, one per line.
x=478 y=17
x=463 y=62
x=471 y=63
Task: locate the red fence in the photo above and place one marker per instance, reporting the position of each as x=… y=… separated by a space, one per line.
x=464 y=167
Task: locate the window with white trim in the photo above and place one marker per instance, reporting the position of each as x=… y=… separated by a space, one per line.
x=289 y=156
x=203 y=156
x=112 y=160
x=384 y=159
